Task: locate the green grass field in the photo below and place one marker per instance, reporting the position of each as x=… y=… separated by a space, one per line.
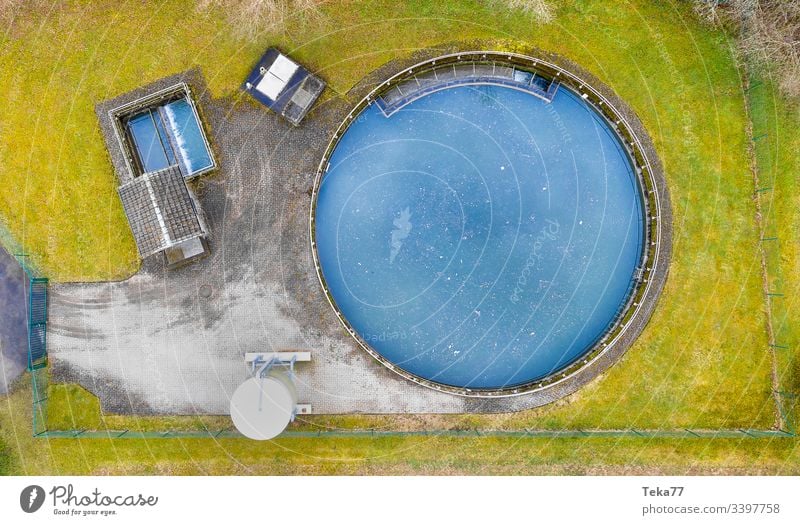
x=388 y=455
x=703 y=362
x=775 y=125
x=5 y=460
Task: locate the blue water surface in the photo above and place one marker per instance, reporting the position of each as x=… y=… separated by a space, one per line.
x=151 y=141
x=189 y=140
x=480 y=237
x=170 y=135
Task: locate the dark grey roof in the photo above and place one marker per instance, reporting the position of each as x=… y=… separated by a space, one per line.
x=160 y=210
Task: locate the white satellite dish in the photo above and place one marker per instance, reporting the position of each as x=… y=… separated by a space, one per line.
x=261 y=408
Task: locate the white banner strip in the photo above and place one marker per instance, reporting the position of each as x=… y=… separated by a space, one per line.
x=511 y=500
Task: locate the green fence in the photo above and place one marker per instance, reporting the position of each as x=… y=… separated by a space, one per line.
x=532 y=433
x=786 y=400
x=37 y=343
x=39 y=382
x=772 y=189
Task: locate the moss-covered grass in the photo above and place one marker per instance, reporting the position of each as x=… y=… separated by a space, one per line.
x=71 y=407
x=703 y=361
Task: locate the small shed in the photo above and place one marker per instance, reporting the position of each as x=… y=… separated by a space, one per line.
x=163 y=216
x=284 y=86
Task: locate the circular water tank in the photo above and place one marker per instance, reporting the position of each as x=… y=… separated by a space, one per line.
x=261 y=408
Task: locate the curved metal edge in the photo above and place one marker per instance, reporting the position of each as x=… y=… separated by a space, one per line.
x=620 y=336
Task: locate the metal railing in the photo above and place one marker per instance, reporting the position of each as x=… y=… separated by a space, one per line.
x=640 y=300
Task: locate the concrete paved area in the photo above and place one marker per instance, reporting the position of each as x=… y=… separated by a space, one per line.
x=13 y=333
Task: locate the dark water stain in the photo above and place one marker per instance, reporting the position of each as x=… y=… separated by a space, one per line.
x=13 y=334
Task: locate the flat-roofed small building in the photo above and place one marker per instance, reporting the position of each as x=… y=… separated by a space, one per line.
x=284 y=86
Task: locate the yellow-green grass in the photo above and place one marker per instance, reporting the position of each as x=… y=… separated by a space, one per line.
x=386 y=455
x=703 y=361
x=775 y=124
x=5 y=459
x=71 y=407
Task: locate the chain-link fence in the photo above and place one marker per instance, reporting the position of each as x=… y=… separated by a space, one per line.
x=765 y=135
x=521 y=434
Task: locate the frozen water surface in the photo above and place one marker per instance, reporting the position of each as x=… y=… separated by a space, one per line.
x=480 y=237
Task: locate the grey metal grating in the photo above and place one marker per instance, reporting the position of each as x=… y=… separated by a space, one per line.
x=177 y=208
